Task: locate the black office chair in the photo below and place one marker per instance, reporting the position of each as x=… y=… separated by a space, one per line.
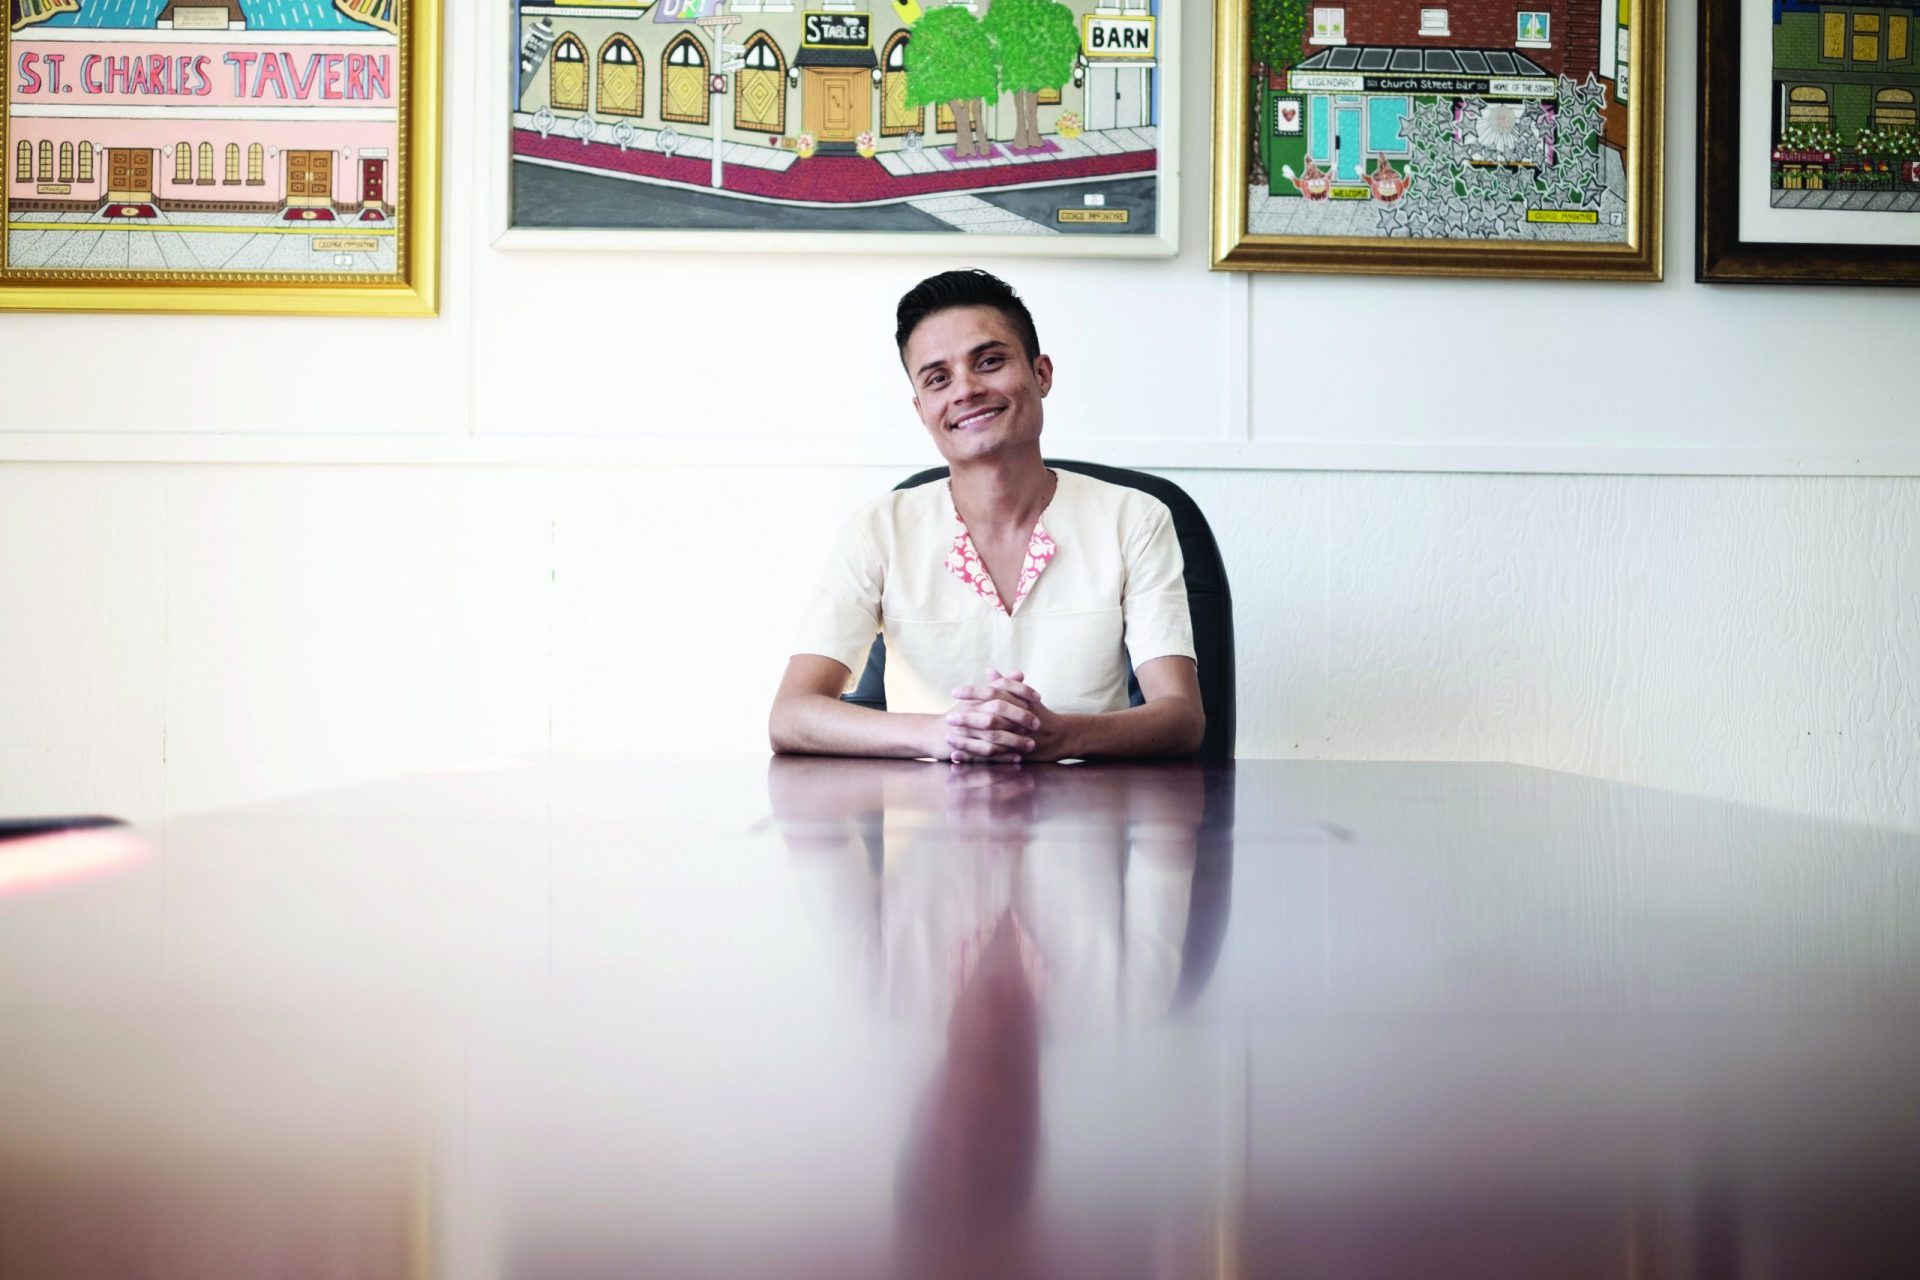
x=1208 y=601
x=23 y=828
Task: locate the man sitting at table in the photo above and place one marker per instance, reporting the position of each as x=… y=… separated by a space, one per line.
x=1091 y=572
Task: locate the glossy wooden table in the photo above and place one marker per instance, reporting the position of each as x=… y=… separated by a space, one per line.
x=736 y=1017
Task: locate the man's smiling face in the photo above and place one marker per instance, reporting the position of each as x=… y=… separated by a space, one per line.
x=973 y=386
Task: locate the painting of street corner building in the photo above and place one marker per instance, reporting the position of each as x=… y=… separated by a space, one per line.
x=1846 y=87
x=1027 y=124
x=1447 y=137
x=244 y=155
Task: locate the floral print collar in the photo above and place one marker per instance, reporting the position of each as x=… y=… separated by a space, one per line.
x=964 y=562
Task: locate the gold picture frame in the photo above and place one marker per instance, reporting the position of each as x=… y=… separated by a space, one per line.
x=262 y=166
x=1491 y=156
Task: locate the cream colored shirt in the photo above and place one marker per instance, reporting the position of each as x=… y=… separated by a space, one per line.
x=1112 y=588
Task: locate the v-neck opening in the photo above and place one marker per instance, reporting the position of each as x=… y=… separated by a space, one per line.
x=965 y=563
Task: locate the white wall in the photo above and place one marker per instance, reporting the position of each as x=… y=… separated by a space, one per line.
x=211 y=592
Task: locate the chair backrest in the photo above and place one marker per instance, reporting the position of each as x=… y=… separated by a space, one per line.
x=1208 y=601
x=26 y=828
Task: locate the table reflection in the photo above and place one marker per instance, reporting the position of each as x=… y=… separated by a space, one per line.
x=1008 y=905
x=1085 y=877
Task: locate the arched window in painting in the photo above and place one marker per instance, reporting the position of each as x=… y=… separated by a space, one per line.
x=256 y=165
x=895 y=116
x=569 y=88
x=761 y=103
x=66 y=162
x=233 y=163
x=1808 y=105
x=23 y=162
x=1893 y=109
x=183 y=161
x=206 y=164
x=86 y=162
x=620 y=77
x=683 y=86
x=46 y=161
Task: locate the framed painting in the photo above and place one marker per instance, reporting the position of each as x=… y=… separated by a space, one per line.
x=1018 y=126
x=221 y=155
x=1440 y=138
x=1809 y=144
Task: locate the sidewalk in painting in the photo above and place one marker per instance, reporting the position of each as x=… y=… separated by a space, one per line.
x=1272 y=215
x=195 y=241
x=770 y=173
x=1861 y=201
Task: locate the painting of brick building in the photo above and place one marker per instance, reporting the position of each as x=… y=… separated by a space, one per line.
x=1438 y=120
x=1846 y=84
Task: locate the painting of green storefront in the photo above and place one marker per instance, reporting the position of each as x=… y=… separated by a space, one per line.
x=1846 y=80
x=1342 y=114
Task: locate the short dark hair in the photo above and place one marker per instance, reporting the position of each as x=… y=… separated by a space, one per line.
x=970 y=288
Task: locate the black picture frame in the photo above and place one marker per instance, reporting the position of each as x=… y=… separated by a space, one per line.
x=1723 y=256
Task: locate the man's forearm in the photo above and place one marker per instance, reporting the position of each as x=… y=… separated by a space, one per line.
x=1163 y=727
x=814 y=724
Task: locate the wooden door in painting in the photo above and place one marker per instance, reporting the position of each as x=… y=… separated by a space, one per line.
x=620 y=77
x=896 y=116
x=568 y=88
x=373 y=181
x=683 y=85
x=760 y=103
x=129 y=173
x=840 y=106
x=309 y=179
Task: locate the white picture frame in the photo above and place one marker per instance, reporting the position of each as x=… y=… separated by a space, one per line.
x=1034 y=212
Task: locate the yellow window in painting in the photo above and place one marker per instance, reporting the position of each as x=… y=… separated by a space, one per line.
x=762 y=101
x=1833 y=35
x=619 y=77
x=86 y=162
x=66 y=162
x=683 y=92
x=1898 y=29
x=46 y=162
x=233 y=162
x=895 y=116
x=206 y=164
x=569 y=90
x=1866 y=37
x=256 y=165
x=23 y=162
x=183 y=161
x=1808 y=105
x=1893 y=109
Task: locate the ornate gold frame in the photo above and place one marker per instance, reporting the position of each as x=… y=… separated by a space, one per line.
x=412 y=290
x=1639 y=258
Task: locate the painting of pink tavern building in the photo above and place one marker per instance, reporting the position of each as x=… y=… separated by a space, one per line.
x=216 y=139
x=1002 y=117
x=1440 y=119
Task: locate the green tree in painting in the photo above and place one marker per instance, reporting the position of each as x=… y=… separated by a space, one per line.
x=950 y=60
x=1277 y=28
x=1035 y=43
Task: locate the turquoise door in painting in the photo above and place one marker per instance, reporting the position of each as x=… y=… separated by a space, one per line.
x=1349 y=145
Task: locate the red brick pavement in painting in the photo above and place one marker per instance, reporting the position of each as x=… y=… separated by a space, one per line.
x=824 y=179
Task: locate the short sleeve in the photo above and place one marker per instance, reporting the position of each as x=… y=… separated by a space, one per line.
x=1154 y=602
x=842 y=615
